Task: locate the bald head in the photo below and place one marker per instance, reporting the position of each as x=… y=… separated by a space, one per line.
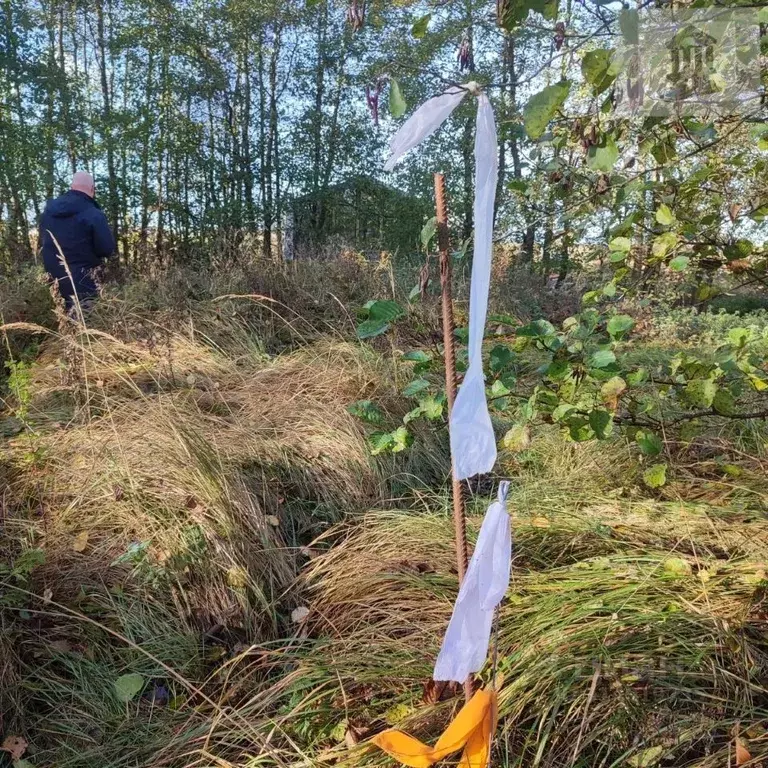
x=83 y=182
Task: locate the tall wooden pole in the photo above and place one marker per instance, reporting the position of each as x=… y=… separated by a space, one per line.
x=459 y=513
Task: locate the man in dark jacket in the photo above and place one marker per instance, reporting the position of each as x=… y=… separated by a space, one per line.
x=74 y=227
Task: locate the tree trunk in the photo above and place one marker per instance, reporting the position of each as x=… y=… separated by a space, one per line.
x=64 y=95
x=113 y=205
x=145 y=149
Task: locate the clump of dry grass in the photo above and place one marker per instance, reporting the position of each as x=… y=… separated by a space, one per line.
x=207 y=488
x=168 y=492
x=633 y=633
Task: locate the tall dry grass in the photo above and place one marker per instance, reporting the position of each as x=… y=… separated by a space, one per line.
x=163 y=488
x=633 y=633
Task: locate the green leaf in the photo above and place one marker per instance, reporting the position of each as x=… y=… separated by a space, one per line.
x=603 y=156
x=612 y=390
x=663 y=244
x=22 y=764
x=127 y=686
x=557 y=370
x=739 y=336
x=501 y=357
x=655 y=476
x=640 y=376
x=419 y=28
x=679 y=263
x=602 y=359
x=499 y=389
x=27 y=561
x=367 y=411
x=518 y=185
x=618 y=256
x=517 y=439
x=401 y=439
x=601 y=422
x=618 y=325
x=701 y=392
x=629 y=23
x=623 y=244
x=579 y=429
x=379 y=442
x=431 y=407
x=428 y=231
x=415 y=387
x=664 y=151
x=724 y=402
x=385 y=310
x=665 y=216
x=649 y=443
x=414 y=413
x=397 y=105
x=513 y=12
x=543 y=106
x=417 y=356
x=597 y=68
x=380 y=315
x=536 y=329
x=562 y=411
x=368 y=329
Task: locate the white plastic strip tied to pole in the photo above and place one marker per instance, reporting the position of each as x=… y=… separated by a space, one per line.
x=473 y=444
x=465 y=646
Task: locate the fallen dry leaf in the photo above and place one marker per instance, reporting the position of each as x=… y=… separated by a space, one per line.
x=47 y=595
x=351 y=738
x=743 y=755
x=273 y=520
x=80 y=542
x=299 y=615
x=15 y=746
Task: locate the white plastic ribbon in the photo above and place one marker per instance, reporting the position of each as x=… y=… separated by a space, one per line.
x=465 y=646
x=423 y=123
x=473 y=443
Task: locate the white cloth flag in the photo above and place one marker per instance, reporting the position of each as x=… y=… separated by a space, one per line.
x=465 y=646
x=473 y=444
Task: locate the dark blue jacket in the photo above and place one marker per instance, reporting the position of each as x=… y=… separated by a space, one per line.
x=81 y=230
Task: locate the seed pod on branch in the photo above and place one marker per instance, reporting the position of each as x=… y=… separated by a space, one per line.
x=372 y=99
x=464 y=54
x=559 y=37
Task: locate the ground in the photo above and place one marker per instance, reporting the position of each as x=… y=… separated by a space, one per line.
x=204 y=564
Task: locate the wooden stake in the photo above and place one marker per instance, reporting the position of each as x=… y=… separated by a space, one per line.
x=459 y=513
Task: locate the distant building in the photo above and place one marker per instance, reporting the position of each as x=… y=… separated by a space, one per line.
x=359 y=214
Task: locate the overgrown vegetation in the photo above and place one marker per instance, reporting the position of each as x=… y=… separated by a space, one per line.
x=209 y=560
x=225 y=534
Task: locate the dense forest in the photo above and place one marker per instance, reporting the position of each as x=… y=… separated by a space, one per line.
x=233 y=528
x=202 y=121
